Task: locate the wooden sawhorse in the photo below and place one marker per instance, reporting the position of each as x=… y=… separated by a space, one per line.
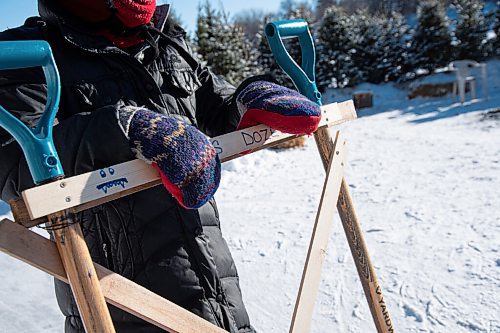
x=60 y=199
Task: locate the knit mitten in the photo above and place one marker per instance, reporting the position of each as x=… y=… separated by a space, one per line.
x=187 y=161
x=280 y=108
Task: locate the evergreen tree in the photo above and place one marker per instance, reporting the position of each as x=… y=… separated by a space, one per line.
x=250 y=21
x=431 y=41
x=471 y=30
x=496 y=29
x=386 y=7
x=395 y=47
x=372 y=6
x=379 y=47
x=367 y=51
x=208 y=23
x=224 y=46
x=335 y=66
x=299 y=11
x=404 y=6
x=266 y=63
x=285 y=7
x=234 y=59
x=322 y=6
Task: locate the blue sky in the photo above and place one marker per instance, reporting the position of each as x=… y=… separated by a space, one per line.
x=13 y=12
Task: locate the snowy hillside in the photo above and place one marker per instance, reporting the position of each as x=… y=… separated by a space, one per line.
x=425 y=179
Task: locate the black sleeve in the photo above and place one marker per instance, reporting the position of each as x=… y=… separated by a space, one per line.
x=22 y=93
x=216 y=109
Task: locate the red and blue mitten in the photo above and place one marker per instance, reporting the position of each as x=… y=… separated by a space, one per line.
x=188 y=163
x=280 y=108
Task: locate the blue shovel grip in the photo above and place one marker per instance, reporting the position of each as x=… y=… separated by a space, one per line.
x=302 y=76
x=22 y=54
x=37 y=143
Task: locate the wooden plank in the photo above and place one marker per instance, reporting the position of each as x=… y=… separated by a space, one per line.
x=22 y=216
x=81 y=274
x=31 y=248
x=95 y=188
x=42 y=253
x=311 y=276
x=359 y=250
x=67 y=193
x=231 y=145
x=364 y=265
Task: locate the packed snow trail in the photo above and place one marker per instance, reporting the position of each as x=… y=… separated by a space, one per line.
x=425 y=179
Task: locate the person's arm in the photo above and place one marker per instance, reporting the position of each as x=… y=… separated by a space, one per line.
x=220 y=108
x=107 y=136
x=216 y=109
x=258 y=100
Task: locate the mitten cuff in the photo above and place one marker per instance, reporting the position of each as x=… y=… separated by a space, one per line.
x=125 y=115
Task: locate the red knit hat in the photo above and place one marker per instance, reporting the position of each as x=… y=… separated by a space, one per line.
x=132 y=13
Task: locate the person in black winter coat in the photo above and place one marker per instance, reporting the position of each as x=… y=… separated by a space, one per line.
x=122 y=55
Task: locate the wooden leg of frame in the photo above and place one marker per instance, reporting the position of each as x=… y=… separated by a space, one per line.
x=366 y=272
x=81 y=274
x=42 y=253
x=311 y=276
x=359 y=250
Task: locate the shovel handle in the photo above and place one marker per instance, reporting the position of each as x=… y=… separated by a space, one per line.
x=302 y=76
x=36 y=143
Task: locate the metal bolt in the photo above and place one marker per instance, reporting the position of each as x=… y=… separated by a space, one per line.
x=68 y=199
x=62 y=185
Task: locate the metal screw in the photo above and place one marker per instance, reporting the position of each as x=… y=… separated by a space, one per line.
x=62 y=185
x=68 y=199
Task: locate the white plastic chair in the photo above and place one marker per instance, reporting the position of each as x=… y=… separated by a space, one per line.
x=463 y=73
x=462 y=70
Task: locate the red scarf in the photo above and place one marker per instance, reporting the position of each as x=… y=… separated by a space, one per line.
x=131 y=13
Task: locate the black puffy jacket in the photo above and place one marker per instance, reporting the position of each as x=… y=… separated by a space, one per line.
x=147 y=237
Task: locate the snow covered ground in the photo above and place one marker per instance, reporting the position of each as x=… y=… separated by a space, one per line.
x=425 y=179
